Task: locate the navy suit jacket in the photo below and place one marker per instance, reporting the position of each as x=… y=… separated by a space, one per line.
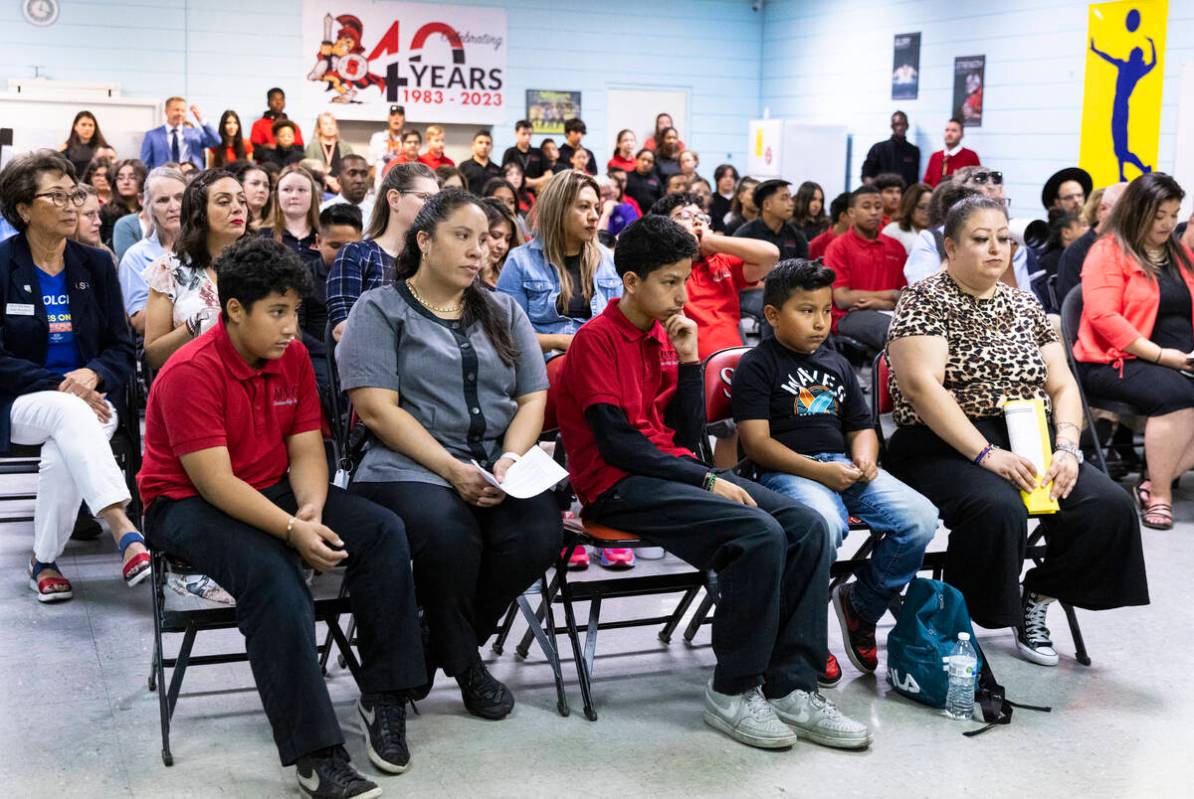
x=97 y=314
x=155 y=147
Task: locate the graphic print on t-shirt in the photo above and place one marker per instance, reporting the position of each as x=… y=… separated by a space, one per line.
x=817 y=393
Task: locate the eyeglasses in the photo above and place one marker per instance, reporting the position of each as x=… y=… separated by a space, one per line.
x=690 y=216
x=994 y=178
x=61 y=198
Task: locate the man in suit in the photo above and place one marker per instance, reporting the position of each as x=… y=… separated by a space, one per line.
x=176 y=142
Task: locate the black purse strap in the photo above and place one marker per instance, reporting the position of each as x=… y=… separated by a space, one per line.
x=996 y=707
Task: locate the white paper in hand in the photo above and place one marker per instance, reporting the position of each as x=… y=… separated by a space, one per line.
x=534 y=473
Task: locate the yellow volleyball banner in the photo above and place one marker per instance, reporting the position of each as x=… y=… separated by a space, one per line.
x=1121 y=102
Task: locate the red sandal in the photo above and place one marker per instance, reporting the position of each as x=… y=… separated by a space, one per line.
x=136 y=568
x=48 y=589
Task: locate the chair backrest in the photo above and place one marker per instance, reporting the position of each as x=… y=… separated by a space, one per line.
x=335 y=408
x=719 y=375
x=1071 y=317
x=555 y=365
x=881 y=401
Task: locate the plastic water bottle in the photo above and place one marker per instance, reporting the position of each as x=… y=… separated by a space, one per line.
x=959 y=702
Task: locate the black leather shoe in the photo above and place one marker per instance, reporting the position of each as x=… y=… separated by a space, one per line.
x=483 y=694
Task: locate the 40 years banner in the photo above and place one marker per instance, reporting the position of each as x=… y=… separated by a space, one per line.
x=443 y=63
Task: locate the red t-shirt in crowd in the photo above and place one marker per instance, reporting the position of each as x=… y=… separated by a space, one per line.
x=713 y=304
x=941 y=165
x=430 y=160
x=208 y=396
x=229 y=153
x=866 y=264
x=262 y=132
x=610 y=361
x=618 y=162
x=396 y=160
x=819 y=244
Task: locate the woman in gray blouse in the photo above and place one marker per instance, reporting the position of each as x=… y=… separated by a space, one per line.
x=444 y=372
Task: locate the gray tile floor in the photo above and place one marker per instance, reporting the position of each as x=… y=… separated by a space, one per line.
x=76 y=719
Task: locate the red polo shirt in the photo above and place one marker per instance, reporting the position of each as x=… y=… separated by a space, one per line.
x=611 y=361
x=208 y=396
x=819 y=244
x=865 y=264
x=713 y=288
x=430 y=160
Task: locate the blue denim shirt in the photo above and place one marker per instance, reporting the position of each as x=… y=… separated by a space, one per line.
x=534 y=284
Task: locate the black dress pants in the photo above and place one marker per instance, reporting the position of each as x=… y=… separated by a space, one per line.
x=469 y=562
x=1093 y=560
x=276 y=614
x=772 y=564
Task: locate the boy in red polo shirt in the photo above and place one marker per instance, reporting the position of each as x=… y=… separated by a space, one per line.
x=870 y=272
x=434 y=157
x=235 y=482
x=630 y=405
x=839 y=212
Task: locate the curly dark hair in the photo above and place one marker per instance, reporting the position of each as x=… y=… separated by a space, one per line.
x=255 y=267
x=191 y=246
x=795 y=274
x=652 y=242
x=18 y=181
x=479 y=306
x=670 y=202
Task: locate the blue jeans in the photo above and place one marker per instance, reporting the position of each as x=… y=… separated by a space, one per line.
x=907 y=520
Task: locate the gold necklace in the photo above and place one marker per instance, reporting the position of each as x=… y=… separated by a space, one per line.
x=437 y=308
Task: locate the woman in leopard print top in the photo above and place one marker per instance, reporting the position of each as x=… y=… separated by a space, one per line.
x=960 y=343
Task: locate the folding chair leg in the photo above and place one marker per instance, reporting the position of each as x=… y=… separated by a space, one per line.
x=549 y=650
x=1076 y=631
x=352 y=631
x=673 y=621
x=325 y=651
x=157 y=673
x=574 y=638
x=698 y=618
x=499 y=643
x=549 y=594
x=180 y=668
x=591 y=637
x=345 y=645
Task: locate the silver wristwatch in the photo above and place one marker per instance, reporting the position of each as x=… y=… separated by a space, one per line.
x=1071 y=449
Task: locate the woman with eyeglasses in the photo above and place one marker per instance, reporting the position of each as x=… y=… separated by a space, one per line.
x=129 y=182
x=914 y=215
x=183 y=301
x=87 y=231
x=366 y=264
x=64 y=347
x=99 y=175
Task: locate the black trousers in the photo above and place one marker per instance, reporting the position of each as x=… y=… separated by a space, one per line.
x=772 y=565
x=1093 y=560
x=469 y=562
x=275 y=611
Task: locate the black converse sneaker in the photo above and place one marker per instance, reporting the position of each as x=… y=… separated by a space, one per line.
x=329 y=775
x=383 y=720
x=483 y=694
x=1032 y=636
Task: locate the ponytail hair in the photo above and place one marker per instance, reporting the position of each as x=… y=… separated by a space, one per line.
x=479 y=305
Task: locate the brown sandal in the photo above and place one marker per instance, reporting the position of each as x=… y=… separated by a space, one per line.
x=1158 y=516
x=1143 y=494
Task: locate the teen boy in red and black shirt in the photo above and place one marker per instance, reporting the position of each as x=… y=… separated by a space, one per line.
x=630 y=405
x=235 y=480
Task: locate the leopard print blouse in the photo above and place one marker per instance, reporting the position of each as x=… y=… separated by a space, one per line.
x=994 y=344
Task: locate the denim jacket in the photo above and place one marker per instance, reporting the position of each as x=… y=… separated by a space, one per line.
x=534 y=284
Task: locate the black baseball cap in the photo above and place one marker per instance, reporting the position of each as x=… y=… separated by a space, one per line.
x=397 y=109
x=766 y=189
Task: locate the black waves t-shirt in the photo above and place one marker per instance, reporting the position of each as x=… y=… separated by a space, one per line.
x=812 y=401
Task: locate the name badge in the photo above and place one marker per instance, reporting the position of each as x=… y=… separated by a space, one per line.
x=18 y=309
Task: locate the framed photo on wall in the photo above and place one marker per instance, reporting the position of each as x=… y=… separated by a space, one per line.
x=547 y=110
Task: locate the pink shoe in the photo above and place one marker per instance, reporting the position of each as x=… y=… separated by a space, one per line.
x=620 y=559
x=579 y=561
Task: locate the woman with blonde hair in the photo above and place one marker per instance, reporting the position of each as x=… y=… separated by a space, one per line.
x=296 y=209
x=563 y=277
x=327 y=147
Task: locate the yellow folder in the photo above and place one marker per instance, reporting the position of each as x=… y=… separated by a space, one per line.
x=1028 y=430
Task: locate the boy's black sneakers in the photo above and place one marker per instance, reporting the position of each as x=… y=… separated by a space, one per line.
x=484 y=695
x=329 y=775
x=383 y=720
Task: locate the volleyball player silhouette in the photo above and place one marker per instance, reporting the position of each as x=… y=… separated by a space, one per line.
x=1129 y=73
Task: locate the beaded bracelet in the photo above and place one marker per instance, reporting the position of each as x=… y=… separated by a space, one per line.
x=710 y=479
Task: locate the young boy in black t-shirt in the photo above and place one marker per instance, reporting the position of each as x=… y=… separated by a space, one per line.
x=803 y=421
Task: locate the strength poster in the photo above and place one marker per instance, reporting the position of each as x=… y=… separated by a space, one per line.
x=969 y=74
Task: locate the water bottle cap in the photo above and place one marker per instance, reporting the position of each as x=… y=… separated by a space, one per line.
x=963 y=636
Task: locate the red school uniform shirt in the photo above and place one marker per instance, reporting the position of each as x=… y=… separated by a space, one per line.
x=610 y=361
x=262 y=132
x=865 y=264
x=941 y=165
x=208 y=396
x=432 y=161
x=713 y=304
x=618 y=162
x=819 y=244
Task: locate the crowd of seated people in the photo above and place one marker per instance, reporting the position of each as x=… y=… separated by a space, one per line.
x=233 y=260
